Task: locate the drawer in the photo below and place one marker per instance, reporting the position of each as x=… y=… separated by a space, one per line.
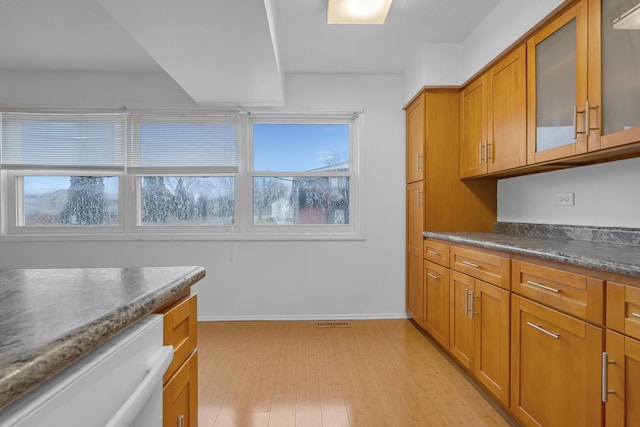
x=623 y=309
x=180 y=330
x=436 y=252
x=575 y=294
x=490 y=268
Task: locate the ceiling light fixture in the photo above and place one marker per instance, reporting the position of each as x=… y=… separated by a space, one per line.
x=357 y=11
x=629 y=20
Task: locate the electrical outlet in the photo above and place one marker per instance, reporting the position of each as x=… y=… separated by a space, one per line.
x=565 y=199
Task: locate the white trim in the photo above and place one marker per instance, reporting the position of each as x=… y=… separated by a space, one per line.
x=253 y=318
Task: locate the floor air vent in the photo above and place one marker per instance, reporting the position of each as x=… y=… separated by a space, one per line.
x=333 y=324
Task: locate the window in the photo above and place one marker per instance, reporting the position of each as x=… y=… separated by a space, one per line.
x=65 y=169
x=302 y=173
x=200 y=174
x=186 y=168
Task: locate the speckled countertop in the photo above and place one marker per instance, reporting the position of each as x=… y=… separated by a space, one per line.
x=49 y=318
x=614 y=250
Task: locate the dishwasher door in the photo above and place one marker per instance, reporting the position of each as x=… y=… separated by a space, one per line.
x=119 y=384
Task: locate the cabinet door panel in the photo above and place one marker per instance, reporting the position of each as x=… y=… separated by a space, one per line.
x=415 y=288
x=461 y=330
x=614 y=86
x=493 y=333
x=623 y=373
x=437 y=305
x=508 y=113
x=556 y=367
x=415 y=140
x=473 y=132
x=557 y=87
x=180 y=395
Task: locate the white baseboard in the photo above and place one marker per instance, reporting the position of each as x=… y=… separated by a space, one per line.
x=379 y=316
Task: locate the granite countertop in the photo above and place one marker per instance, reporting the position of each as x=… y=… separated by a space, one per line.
x=614 y=250
x=49 y=318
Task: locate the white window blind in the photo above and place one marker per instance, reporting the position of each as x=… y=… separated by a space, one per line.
x=171 y=144
x=63 y=141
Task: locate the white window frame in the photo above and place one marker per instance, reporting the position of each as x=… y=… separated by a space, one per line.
x=130 y=227
x=354 y=228
x=14 y=198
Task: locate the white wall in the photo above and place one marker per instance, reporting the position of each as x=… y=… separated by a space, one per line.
x=285 y=279
x=439 y=64
x=605 y=195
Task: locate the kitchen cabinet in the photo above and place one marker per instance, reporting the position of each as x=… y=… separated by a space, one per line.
x=613 y=75
x=621 y=386
x=583 y=84
x=433 y=153
x=556 y=367
x=494 y=114
x=557 y=87
x=556 y=345
x=415 y=225
x=180 y=390
x=415 y=140
x=576 y=294
x=621 y=359
x=479 y=331
x=436 y=321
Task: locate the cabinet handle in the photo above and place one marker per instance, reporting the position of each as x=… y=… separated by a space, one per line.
x=473 y=303
x=605 y=377
x=418 y=163
x=430 y=252
x=466 y=301
x=637 y=315
x=180 y=421
x=433 y=276
x=551 y=334
x=543 y=286
x=587 y=118
x=489 y=155
x=419 y=199
x=470 y=264
x=575 y=120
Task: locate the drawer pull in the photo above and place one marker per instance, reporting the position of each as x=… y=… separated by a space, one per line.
x=543 y=286
x=470 y=264
x=637 y=315
x=433 y=276
x=430 y=252
x=551 y=334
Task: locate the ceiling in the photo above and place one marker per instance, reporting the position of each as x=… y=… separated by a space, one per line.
x=223 y=51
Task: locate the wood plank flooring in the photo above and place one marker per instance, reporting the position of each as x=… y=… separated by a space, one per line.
x=292 y=373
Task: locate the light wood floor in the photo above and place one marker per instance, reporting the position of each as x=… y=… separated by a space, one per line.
x=375 y=373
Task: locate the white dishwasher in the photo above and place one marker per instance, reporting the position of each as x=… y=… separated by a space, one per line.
x=117 y=385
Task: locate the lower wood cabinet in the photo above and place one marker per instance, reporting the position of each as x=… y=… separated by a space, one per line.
x=180 y=393
x=556 y=367
x=479 y=331
x=621 y=389
x=436 y=321
x=180 y=390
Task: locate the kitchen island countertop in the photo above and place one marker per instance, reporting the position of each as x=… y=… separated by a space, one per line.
x=50 y=318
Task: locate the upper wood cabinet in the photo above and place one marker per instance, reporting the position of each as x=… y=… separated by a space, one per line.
x=415 y=116
x=583 y=82
x=613 y=75
x=557 y=87
x=493 y=125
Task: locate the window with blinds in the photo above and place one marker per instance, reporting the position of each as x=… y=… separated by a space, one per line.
x=182 y=144
x=63 y=141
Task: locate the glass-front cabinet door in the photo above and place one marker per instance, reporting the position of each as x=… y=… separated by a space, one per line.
x=614 y=73
x=557 y=87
